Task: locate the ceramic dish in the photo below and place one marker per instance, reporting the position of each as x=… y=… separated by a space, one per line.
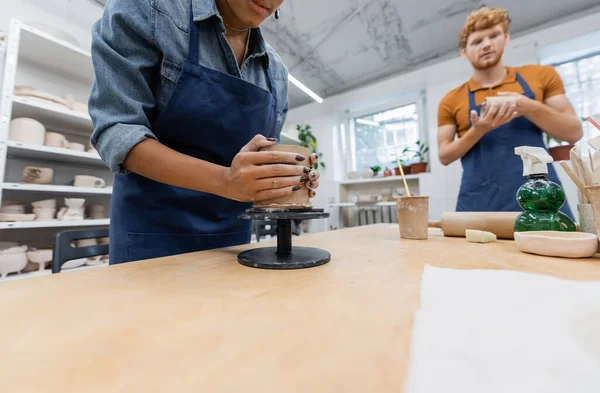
x=557 y=244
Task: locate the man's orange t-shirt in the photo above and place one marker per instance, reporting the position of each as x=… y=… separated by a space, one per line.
x=543 y=80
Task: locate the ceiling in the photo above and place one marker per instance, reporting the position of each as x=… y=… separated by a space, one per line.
x=335 y=45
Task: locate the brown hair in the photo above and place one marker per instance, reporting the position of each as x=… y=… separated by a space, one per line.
x=481 y=19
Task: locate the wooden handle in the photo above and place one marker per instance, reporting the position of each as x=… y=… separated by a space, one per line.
x=435 y=224
x=575 y=179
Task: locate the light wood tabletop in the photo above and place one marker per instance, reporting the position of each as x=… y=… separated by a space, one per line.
x=202 y=322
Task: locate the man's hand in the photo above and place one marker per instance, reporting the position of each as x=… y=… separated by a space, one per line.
x=498 y=114
x=523 y=104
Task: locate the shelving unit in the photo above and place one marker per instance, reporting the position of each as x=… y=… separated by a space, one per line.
x=55 y=189
x=53 y=116
x=380 y=179
x=24 y=150
x=37 y=59
x=53 y=224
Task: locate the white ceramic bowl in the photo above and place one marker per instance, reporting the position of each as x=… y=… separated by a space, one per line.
x=74 y=263
x=557 y=244
x=40 y=256
x=13 y=209
x=26 y=130
x=13 y=260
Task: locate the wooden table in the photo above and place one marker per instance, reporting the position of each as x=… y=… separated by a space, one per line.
x=203 y=323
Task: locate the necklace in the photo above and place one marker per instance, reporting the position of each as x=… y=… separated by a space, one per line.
x=249 y=30
x=247 y=45
x=234 y=29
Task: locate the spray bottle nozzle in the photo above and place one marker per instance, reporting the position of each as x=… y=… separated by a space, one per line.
x=535 y=159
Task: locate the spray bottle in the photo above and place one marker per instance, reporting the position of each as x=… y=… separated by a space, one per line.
x=539 y=197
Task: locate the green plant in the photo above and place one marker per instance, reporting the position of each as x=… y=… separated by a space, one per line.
x=420 y=152
x=376 y=169
x=307 y=139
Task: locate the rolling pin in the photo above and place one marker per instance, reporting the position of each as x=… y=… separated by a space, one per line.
x=456 y=223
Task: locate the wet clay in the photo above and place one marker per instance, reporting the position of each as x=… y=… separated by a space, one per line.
x=413 y=217
x=299 y=199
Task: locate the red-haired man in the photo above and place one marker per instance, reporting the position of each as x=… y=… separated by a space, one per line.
x=492 y=173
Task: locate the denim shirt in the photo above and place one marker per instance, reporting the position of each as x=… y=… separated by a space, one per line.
x=138 y=50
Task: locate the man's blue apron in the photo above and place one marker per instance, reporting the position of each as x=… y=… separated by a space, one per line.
x=492 y=172
x=211 y=116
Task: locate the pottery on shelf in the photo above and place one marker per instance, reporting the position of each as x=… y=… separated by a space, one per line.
x=40 y=96
x=366 y=173
x=13 y=260
x=13 y=209
x=88 y=181
x=76 y=106
x=73 y=210
x=40 y=257
x=12 y=217
x=37 y=175
x=44 y=214
x=96 y=212
x=75 y=263
x=27 y=130
x=54 y=139
x=557 y=244
x=76 y=146
x=44 y=204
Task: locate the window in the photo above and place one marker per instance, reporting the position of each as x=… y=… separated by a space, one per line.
x=582 y=84
x=376 y=137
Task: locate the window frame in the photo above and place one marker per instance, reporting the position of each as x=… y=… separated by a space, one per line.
x=419 y=99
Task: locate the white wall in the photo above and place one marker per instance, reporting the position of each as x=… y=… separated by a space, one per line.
x=437 y=80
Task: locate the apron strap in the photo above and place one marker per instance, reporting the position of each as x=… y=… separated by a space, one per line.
x=525 y=86
x=472 y=106
x=194 y=43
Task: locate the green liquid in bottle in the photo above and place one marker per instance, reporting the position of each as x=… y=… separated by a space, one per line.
x=541 y=199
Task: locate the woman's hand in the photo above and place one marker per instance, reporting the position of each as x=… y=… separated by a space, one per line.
x=313 y=177
x=261 y=175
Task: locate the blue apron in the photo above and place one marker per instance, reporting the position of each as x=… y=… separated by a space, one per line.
x=211 y=116
x=492 y=172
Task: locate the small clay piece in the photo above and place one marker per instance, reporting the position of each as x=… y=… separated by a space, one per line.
x=298 y=199
x=477 y=236
x=499 y=100
x=413 y=213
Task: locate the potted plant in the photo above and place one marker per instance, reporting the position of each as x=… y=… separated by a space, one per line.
x=421 y=155
x=404 y=163
x=559 y=150
x=307 y=139
x=375 y=169
x=387 y=172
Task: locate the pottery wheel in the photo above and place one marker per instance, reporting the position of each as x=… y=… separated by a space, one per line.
x=284 y=256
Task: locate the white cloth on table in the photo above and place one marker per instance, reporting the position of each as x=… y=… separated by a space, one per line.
x=503 y=331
